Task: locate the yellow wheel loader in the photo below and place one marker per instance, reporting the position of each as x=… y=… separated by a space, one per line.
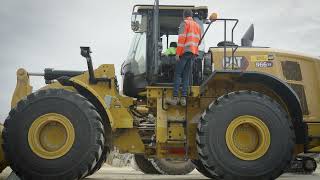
x=250 y=110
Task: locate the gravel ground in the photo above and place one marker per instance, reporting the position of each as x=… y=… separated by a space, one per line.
x=111 y=173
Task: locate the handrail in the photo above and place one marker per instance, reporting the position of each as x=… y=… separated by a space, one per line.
x=225 y=20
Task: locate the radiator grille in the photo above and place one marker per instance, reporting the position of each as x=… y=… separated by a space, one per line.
x=291 y=70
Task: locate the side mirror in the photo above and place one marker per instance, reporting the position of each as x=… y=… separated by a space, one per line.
x=213 y=17
x=136 y=20
x=85 y=52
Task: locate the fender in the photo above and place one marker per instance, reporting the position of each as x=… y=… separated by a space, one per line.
x=105 y=97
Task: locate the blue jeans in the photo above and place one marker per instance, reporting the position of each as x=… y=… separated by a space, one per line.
x=183 y=73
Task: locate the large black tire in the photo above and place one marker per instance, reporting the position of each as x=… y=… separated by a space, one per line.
x=309 y=165
x=211 y=137
x=145 y=165
x=108 y=140
x=88 y=140
x=100 y=162
x=172 y=167
x=3 y=162
x=203 y=170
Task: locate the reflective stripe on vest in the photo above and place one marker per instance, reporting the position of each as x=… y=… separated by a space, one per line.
x=189 y=37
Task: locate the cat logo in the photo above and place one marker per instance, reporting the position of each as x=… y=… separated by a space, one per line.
x=236 y=63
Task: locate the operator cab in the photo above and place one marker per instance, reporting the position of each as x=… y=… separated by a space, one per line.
x=142 y=68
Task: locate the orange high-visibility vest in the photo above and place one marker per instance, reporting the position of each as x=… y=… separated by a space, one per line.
x=189 y=37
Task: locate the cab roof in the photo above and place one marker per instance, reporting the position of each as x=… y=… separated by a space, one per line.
x=170 y=16
x=141 y=7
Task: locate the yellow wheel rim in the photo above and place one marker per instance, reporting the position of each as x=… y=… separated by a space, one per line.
x=51 y=136
x=248 y=137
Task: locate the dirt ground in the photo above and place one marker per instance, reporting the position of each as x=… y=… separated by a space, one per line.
x=108 y=173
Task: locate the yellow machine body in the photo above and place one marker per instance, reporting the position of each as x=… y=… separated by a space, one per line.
x=172 y=140
x=269 y=71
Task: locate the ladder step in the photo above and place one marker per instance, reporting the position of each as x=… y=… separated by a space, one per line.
x=177 y=140
x=176 y=121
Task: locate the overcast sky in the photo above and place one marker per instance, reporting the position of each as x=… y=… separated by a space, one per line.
x=37 y=34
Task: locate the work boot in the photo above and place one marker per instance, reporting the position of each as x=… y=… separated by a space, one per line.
x=173 y=101
x=183 y=101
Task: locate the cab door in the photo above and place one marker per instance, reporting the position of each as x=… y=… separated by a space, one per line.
x=133 y=70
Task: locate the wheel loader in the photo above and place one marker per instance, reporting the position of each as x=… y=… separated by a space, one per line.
x=251 y=110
